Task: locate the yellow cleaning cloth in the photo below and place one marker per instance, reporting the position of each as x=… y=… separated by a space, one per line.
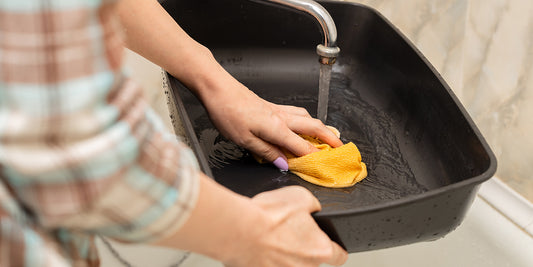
x=329 y=167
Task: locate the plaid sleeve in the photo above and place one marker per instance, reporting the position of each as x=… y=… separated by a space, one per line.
x=20 y=244
x=79 y=146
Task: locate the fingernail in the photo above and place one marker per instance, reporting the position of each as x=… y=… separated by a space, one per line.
x=281 y=163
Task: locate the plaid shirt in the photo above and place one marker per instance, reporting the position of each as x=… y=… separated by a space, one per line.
x=81 y=153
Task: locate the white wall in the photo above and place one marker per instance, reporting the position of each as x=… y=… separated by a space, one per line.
x=484 y=50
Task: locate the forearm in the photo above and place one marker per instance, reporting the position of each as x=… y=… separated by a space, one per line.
x=151 y=32
x=237 y=112
x=221 y=221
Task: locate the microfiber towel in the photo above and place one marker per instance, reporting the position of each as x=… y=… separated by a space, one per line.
x=329 y=167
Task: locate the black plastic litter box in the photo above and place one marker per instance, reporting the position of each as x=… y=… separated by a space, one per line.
x=425 y=157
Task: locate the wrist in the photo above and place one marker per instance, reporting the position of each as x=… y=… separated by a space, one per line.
x=222 y=225
x=253 y=223
x=210 y=81
x=246 y=235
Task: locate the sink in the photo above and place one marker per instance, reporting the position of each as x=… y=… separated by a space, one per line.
x=426 y=159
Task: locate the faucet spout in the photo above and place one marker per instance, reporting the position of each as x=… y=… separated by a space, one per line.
x=328 y=51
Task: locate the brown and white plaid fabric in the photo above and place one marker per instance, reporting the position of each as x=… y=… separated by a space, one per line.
x=81 y=153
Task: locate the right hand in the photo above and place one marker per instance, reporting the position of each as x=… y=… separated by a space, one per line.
x=261 y=126
x=288 y=235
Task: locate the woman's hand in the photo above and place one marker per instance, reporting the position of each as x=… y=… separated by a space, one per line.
x=274 y=228
x=263 y=127
x=238 y=113
x=288 y=235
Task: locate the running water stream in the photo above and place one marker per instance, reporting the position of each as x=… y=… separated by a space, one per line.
x=323 y=91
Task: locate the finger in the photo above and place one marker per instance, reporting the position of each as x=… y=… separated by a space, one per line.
x=268 y=152
x=298 y=111
x=339 y=255
x=298 y=194
x=277 y=133
x=334 y=131
x=289 y=140
x=294 y=197
x=315 y=128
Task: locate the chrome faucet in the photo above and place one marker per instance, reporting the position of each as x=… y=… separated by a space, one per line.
x=328 y=51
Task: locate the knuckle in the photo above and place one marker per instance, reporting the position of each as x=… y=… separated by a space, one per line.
x=305 y=148
x=324 y=249
x=277 y=120
x=305 y=195
x=284 y=135
x=300 y=190
x=267 y=153
x=279 y=114
x=317 y=124
x=246 y=141
x=325 y=254
x=310 y=148
x=259 y=148
x=303 y=111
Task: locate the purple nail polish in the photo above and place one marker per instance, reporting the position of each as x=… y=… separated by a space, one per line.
x=281 y=163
